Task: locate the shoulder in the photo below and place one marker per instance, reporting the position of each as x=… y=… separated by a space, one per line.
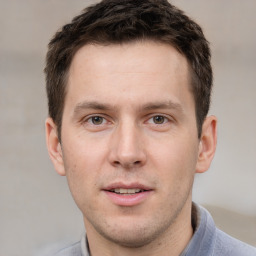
x=227 y=245
x=80 y=248
x=209 y=240
x=73 y=250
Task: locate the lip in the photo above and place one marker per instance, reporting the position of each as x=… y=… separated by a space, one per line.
x=127 y=186
x=128 y=200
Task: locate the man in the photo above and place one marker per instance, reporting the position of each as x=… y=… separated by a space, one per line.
x=129 y=85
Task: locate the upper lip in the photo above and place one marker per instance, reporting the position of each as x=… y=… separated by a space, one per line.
x=127 y=186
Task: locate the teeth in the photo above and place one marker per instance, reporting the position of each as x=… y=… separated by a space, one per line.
x=126 y=191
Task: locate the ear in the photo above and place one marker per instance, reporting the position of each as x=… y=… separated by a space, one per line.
x=54 y=146
x=207 y=144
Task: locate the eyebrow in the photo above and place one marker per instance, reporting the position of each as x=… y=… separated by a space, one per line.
x=91 y=105
x=108 y=107
x=163 y=105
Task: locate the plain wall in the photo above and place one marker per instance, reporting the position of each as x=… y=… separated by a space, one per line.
x=37 y=212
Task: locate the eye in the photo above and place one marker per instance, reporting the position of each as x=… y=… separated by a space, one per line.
x=158 y=119
x=96 y=120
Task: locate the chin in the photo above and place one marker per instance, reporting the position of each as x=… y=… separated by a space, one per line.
x=131 y=239
x=133 y=235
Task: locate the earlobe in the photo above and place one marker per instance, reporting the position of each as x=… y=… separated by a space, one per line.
x=54 y=146
x=207 y=144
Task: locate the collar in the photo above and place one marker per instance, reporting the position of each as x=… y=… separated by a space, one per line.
x=203 y=240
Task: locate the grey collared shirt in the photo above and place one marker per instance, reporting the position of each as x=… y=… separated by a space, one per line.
x=206 y=241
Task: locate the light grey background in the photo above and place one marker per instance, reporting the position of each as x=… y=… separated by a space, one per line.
x=37 y=213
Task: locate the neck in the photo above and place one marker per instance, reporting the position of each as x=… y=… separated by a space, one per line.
x=171 y=243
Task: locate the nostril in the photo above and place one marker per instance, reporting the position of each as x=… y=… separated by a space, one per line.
x=116 y=163
x=127 y=164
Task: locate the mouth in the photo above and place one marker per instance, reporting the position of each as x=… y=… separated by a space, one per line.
x=127 y=195
x=127 y=191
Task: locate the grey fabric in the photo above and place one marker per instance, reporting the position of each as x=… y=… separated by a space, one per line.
x=78 y=249
x=206 y=241
x=210 y=241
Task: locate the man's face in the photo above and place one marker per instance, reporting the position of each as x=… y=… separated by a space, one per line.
x=129 y=140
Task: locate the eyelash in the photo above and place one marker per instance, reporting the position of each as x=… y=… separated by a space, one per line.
x=91 y=122
x=163 y=120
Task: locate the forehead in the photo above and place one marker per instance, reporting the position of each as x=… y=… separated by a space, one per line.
x=129 y=57
x=139 y=68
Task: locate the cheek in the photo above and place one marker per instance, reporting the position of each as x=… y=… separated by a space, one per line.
x=175 y=160
x=81 y=177
x=84 y=154
x=82 y=162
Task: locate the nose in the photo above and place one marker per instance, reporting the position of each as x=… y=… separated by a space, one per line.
x=127 y=149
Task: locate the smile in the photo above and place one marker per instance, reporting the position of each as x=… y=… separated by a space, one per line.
x=125 y=191
x=127 y=194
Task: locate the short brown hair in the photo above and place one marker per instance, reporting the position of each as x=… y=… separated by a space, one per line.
x=123 y=21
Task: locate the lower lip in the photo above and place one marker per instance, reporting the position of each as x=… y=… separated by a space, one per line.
x=128 y=200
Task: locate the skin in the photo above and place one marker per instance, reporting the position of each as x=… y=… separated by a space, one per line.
x=129 y=117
